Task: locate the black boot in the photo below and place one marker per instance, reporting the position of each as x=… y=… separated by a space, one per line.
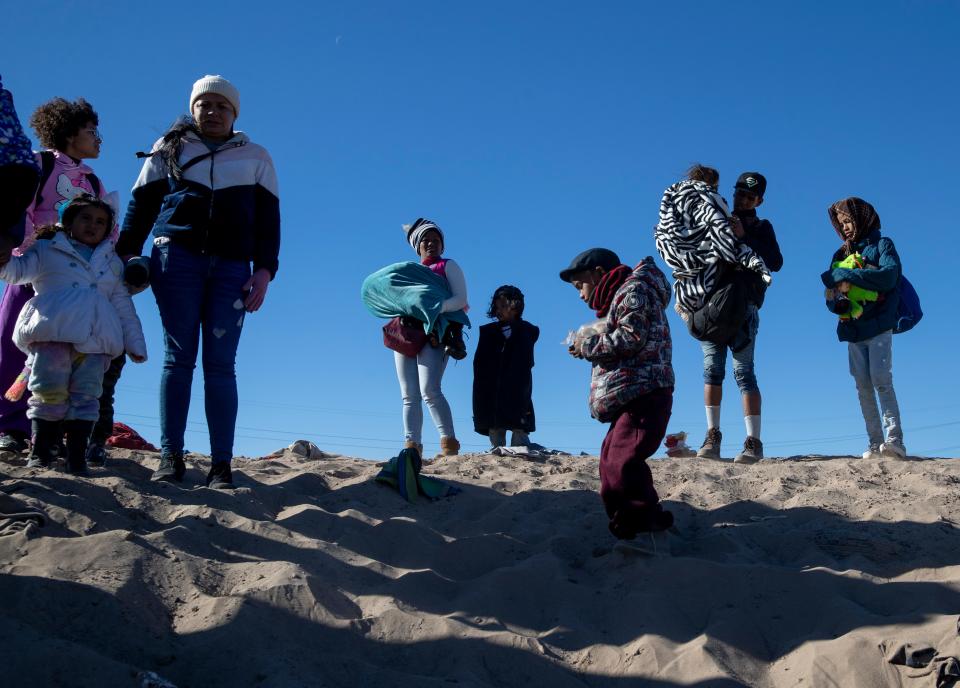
x=171 y=468
x=78 y=435
x=46 y=438
x=220 y=476
x=453 y=343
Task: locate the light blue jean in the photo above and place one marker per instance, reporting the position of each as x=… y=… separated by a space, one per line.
x=871 y=364
x=420 y=378
x=198 y=294
x=65 y=384
x=715 y=359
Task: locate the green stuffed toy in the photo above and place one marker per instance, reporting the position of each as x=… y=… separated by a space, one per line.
x=857 y=295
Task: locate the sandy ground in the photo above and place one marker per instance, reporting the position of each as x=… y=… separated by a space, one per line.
x=786 y=573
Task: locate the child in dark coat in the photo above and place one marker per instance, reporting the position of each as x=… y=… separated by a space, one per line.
x=502 y=372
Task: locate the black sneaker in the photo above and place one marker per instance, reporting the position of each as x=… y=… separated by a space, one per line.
x=96 y=455
x=220 y=477
x=13 y=441
x=171 y=469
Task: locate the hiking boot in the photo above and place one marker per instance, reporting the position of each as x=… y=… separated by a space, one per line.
x=220 y=477
x=449 y=446
x=453 y=343
x=752 y=451
x=13 y=441
x=893 y=450
x=46 y=436
x=710 y=449
x=78 y=436
x=410 y=444
x=873 y=452
x=96 y=455
x=171 y=468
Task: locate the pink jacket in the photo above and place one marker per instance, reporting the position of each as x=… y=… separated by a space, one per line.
x=68 y=180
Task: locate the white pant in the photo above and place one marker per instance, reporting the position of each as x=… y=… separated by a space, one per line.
x=420 y=380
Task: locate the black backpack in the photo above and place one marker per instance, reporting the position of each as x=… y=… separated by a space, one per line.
x=47 y=161
x=723 y=314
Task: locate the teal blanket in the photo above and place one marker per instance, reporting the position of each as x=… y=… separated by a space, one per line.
x=410 y=289
x=403 y=474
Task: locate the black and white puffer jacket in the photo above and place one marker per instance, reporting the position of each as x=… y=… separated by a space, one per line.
x=695 y=238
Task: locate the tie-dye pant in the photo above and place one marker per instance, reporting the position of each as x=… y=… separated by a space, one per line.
x=64 y=383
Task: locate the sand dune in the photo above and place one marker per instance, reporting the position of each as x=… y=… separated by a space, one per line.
x=786 y=573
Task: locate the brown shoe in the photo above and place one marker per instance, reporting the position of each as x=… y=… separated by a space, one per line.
x=710 y=449
x=410 y=444
x=449 y=446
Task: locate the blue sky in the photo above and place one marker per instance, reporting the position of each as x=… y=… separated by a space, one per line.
x=529 y=132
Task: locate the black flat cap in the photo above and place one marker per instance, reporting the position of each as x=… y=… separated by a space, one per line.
x=590 y=259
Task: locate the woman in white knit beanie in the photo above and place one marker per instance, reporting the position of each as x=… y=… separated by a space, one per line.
x=209 y=196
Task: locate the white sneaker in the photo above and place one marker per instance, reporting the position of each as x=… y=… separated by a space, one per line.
x=893 y=450
x=873 y=452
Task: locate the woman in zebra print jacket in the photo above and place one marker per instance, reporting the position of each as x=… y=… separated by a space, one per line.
x=695 y=238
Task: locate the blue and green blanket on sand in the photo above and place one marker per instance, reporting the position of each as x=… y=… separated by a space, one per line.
x=403 y=473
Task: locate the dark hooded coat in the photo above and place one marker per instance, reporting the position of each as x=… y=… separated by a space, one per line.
x=503 y=378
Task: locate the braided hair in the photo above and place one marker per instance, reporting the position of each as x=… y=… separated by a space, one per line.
x=172 y=144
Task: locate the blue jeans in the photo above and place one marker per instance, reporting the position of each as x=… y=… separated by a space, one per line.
x=715 y=359
x=420 y=378
x=198 y=293
x=871 y=364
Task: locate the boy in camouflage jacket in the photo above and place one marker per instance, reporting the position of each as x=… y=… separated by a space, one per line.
x=632 y=381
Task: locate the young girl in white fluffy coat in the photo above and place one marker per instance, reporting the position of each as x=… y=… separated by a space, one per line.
x=81 y=317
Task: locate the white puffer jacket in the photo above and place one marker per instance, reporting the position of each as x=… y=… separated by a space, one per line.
x=80 y=302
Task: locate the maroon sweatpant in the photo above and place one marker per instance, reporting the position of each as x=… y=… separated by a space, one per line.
x=626 y=483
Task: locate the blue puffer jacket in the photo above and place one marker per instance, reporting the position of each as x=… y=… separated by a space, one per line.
x=881 y=315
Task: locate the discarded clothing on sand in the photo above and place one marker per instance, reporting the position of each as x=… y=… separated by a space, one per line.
x=533 y=451
x=304 y=448
x=945 y=668
x=125 y=437
x=403 y=474
x=16 y=518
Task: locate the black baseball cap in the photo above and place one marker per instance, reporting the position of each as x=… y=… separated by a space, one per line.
x=754 y=182
x=590 y=259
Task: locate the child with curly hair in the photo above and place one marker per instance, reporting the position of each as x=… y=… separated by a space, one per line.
x=503 y=371
x=81 y=318
x=68 y=132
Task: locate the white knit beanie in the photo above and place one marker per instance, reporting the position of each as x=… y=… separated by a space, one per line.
x=214 y=83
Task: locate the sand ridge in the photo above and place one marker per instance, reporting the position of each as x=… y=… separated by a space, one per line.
x=786 y=573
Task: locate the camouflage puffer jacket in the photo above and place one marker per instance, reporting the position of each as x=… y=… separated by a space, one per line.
x=633 y=356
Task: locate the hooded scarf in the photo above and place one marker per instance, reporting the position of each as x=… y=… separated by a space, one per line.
x=865 y=220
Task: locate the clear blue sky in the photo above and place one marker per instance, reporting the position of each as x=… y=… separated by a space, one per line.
x=529 y=132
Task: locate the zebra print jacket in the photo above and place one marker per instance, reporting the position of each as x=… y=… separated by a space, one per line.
x=695 y=238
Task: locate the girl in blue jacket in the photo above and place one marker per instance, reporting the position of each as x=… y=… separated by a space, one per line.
x=869 y=337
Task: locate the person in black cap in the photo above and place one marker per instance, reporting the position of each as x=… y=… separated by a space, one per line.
x=758 y=234
x=631 y=385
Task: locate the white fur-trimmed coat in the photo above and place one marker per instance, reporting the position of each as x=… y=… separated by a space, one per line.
x=80 y=302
